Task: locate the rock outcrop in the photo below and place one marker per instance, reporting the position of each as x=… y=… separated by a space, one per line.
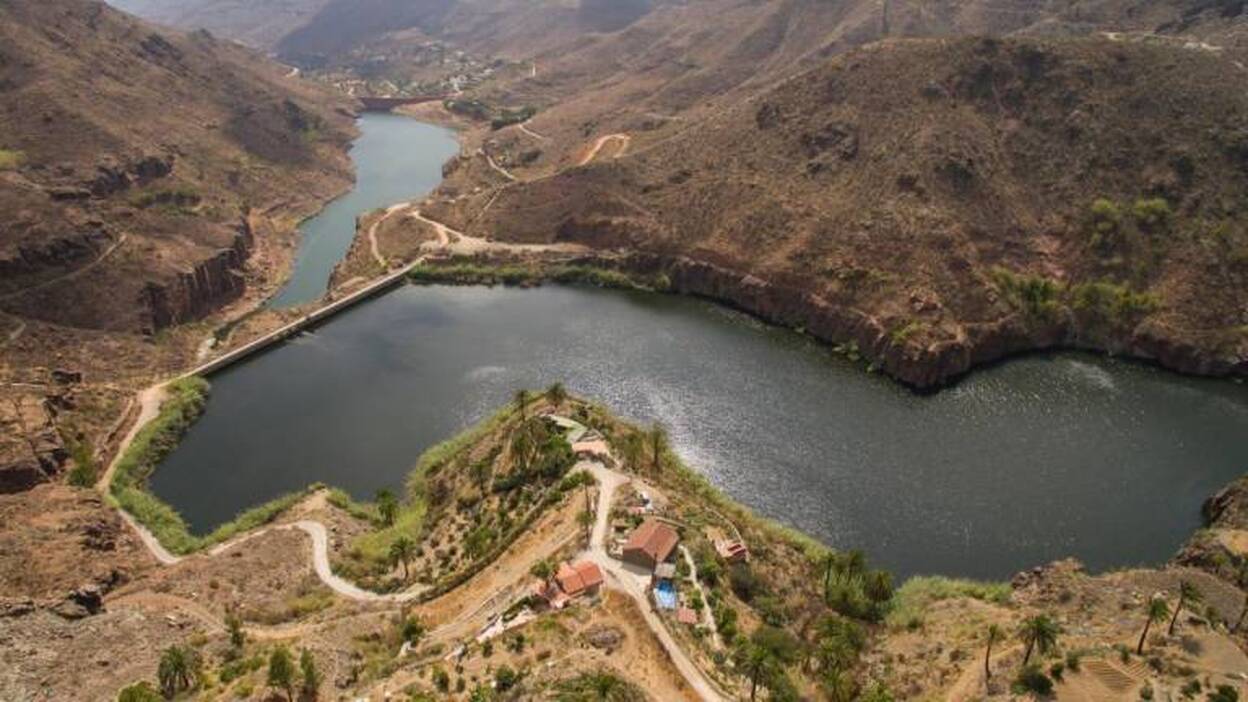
x=56 y=252
x=1223 y=543
x=210 y=284
x=39 y=454
x=920 y=366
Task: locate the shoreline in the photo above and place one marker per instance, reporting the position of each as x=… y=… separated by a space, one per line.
x=663 y=279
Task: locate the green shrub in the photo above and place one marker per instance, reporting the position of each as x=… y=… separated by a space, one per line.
x=1106 y=304
x=744 y=582
x=11 y=160
x=475 y=273
x=916 y=594
x=903 y=333
x=505 y=678
x=510 y=117
x=85 y=471
x=1152 y=214
x=1224 y=693
x=1106 y=215
x=139 y=692
x=1032 y=679
x=176 y=200
x=1036 y=296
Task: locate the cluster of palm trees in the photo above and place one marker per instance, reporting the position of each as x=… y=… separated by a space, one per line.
x=1040 y=633
x=179 y=670
x=181 y=667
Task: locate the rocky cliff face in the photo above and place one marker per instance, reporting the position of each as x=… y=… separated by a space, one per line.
x=209 y=285
x=37 y=454
x=1223 y=543
x=922 y=366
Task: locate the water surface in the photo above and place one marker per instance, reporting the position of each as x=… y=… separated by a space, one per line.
x=397 y=159
x=1023 y=462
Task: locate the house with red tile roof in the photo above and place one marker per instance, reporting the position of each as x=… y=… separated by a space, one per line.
x=577 y=579
x=650 y=544
x=572 y=580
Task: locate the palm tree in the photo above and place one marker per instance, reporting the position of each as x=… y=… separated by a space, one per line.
x=521 y=446
x=605 y=686
x=1189 y=595
x=658 y=444
x=556 y=393
x=282 y=671
x=839 y=684
x=176 y=671
x=994 y=633
x=401 y=551
x=387 y=506
x=755 y=663
x=879 y=586
x=1039 y=633
x=311 y=676
x=522 y=404
x=632 y=450
x=1156 y=610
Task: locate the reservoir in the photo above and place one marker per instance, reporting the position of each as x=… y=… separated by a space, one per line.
x=397 y=159
x=1034 y=459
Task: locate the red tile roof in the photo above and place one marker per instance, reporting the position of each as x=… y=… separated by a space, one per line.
x=684 y=615
x=575 y=579
x=654 y=538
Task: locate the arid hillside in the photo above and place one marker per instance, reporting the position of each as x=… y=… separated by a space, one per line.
x=936 y=204
x=146 y=180
x=153 y=144
x=258 y=24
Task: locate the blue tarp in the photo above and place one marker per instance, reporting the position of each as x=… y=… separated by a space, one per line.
x=665 y=595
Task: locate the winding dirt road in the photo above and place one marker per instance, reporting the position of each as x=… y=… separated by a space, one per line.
x=372 y=231
x=590 y=155
x=70 y=275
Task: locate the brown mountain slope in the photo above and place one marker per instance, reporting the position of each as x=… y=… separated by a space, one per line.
x=259 y=24
x=146 y=180
x=149 y=147
x=935 y=203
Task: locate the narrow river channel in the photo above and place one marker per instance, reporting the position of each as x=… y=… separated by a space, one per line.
x=397 y=159
x=1035 y=459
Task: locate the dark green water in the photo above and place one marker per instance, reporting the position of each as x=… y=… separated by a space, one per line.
x=1035 y=459
x=397 y=159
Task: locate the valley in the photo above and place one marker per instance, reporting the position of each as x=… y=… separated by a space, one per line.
x=903 y=347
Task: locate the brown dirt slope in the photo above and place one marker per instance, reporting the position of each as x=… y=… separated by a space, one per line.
x=133 y=158
x=935 y=202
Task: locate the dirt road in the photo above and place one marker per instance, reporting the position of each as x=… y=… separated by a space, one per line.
x=372 y=231
x=623 y=139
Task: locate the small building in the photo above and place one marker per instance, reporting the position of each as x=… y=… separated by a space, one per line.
x=570 y=581
x=650 y=544
x=584 y=578
x=732 y=551
x=684 y=615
